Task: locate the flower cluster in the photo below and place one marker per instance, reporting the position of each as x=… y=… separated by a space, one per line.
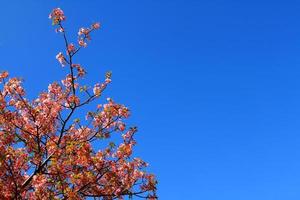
x=96 y=25
x=71 y=49
x=3 y=75
x=84 y=34
x=57 y=15
x=80 y=70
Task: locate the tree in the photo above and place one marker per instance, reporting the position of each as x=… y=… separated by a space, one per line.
x=46 y=151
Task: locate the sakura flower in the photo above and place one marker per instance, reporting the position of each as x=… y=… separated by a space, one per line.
x=80 y=70
x=39 y=181
x=96 y=25
x=71 y=48
x=121 y=126
x=82 y=43
x=108 y=77
x=74 y=99
x=61 y=59
x=57 y=15
x=97 y=89
x=83 y=31
x=60 y=30
x=3 y=75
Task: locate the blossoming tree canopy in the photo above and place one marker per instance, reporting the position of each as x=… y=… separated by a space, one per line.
x=46 y=151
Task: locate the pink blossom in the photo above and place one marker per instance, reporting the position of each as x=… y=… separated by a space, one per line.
x=61 y=59
x=57 y=15
x=96 y=25
x=82 y=43
x=97 y=89
x=121 y=126
x=3 y=75
x=80 y=70
x=83 y=31
x=71 y=48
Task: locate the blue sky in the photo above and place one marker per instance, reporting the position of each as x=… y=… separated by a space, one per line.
x=212 y=85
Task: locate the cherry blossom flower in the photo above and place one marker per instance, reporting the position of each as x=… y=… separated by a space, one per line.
x=57 y=15
x=71 y=48
x=61 y=59
x=82 y=43
x=96 y=25
x=3 y=75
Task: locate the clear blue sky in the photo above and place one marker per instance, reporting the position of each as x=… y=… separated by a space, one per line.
x=214 y=86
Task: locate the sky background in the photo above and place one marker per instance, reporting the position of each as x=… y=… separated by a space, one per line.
x=212 y=85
